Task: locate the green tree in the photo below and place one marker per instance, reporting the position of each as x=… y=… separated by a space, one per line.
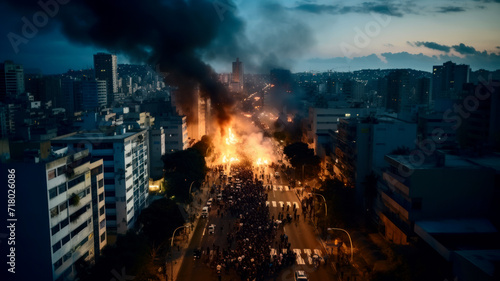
x=159 y=220
x=182 y=168
x=300 y=156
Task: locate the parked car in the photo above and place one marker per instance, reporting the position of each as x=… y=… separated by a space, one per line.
x=211 y=229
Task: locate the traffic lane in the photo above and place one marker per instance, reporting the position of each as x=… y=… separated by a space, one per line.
x=192 y=269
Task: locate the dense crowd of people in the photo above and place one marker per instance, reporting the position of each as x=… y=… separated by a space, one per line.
x=253 y=234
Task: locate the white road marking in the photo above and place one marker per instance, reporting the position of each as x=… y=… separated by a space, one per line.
x=308 y=253
x=281 y=204
x=267 y=203
x=318 y=252
x=288 y=204
x=274 y=203
x=300 y=260
x=296 y=204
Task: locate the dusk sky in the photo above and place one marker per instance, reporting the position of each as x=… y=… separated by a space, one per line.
x=300 y=35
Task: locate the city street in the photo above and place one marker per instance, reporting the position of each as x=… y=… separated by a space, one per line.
x=299 y=232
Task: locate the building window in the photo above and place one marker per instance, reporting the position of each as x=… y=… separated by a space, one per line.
x=61 y=188
x=101 y=197
x=64 y=223
x=110 y=206
x=103 y=237
x=76 y=181
x=67 y=256
x=51 y=174
x=109 y=193
x=54 y=212
x=63 y=206
x=102 y=224
x=53 y=192
x=55 y=229
x=58 y=264
x=101 y=211
x=97 y=170
x=56 y=246
x=61 y=170
x=65 y=239
x=109 y=181
x=101 y=183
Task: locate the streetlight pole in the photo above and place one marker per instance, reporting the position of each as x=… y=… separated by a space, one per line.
x=172 y=251
x=350 y=240
x=324 y=200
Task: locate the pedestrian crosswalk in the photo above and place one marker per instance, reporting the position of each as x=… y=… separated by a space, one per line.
x=302 y=256
x=281 y=204
x=279 y=187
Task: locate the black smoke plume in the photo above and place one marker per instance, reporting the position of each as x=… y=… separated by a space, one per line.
x=167 y=35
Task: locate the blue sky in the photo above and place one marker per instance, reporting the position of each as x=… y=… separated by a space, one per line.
x=309 y=35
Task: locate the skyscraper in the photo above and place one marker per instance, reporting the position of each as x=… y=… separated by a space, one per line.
x=448 y=80
x=94 y=94
x=106 y=69
x=11 y=80
x=397 y=90
x=237 y=76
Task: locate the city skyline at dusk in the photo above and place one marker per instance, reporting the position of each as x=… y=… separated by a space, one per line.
x=312 y=36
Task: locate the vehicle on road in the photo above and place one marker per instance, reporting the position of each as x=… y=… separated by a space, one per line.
x=300 y=275
x=204 y=212
x=197 y=253
x=219 y=197
x=211 y=229
x=209 y=202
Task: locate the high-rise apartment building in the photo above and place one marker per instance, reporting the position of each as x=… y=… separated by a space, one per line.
x=448 y=80
x=54 y=202
x=11 y=80
x=106 y=69
x=237 y=76
x=126 y=178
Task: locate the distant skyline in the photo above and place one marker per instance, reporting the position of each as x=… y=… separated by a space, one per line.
x=303 y=35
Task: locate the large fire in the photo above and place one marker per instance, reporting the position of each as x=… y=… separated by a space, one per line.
x=232 y=148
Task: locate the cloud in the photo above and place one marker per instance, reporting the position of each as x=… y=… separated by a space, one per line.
x=488 y=1
x=318 y=9
x=389 y=9
x=432 y=45
x=464 y=50
x=388 y=45
x=478 y=60
x=450 y=9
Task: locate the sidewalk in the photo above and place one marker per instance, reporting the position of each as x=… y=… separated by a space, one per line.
x=178 y=256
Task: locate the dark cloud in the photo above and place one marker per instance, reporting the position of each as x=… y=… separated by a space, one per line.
x=450 y=9
x=389 y=9
x=178 y=37
x=488 y=1
x=464 y=50
x=432 y=45
x=479 y=60
x=318 y=9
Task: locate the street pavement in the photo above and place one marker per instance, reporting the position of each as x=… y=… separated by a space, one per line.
x=300 y=232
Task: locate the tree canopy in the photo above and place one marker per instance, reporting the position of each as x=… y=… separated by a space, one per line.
x=181 y=169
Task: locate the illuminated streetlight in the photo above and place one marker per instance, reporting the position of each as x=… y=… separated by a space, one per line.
x=350 y=240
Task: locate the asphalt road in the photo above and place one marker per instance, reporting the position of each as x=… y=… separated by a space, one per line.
x=300 y=234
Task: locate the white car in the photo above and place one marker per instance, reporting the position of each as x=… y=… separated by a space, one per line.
x=211 y=229
x=300 y=275
x=204 y=212
x=209 y=202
